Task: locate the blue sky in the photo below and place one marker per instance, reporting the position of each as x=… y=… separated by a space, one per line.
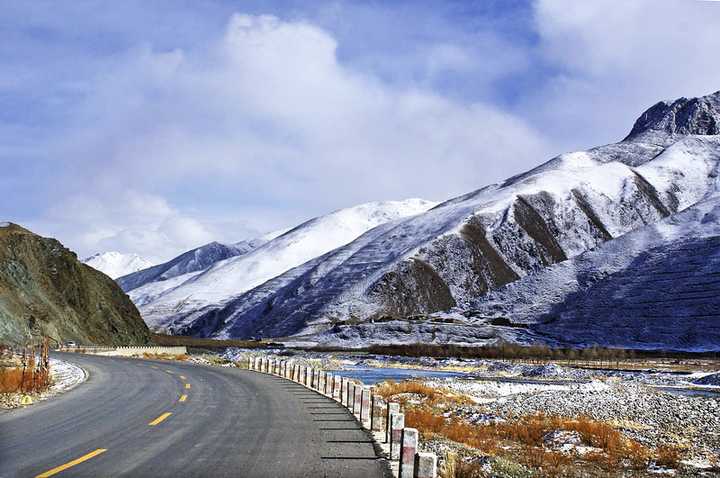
x=153 y=127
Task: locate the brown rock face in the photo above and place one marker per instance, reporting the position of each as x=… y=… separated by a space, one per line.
x=45 y=290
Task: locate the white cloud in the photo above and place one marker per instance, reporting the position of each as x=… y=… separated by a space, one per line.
x=130 y=222
x=267 y=115
x=616 y=58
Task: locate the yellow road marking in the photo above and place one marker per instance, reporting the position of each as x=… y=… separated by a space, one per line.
x=183 y=398
x=70 y=464
x=159 y=419
x=187 y=385
x=183 y=377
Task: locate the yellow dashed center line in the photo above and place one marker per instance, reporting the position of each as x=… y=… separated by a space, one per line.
x=159 y=419
x=187 y=386
x=183 y=398
x=70 y=464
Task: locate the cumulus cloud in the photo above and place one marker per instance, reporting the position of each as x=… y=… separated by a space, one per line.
x=128 y=222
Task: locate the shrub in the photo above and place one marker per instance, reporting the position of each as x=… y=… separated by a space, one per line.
x=667 y=456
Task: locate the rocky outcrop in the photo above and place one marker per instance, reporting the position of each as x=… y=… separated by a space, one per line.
x=682 y=116
x=45 y=290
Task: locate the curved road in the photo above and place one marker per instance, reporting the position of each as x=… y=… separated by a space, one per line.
x=142 y=418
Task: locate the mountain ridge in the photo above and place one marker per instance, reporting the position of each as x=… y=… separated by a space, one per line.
x=467 y=246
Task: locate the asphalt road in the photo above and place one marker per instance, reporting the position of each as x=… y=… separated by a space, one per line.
x=141 y=418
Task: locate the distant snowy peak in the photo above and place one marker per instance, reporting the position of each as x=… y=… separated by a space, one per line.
x=195 y=260
x=694 y=116
x=115 y=264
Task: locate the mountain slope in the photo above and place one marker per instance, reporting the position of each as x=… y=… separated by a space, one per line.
x=114 y=264
x=231 y=277
x=464 y=248
x=657 y=287
x=45 y=290
x=195 y=260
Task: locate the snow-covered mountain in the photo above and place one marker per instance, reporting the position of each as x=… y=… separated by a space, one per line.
x=114 y=264
x=656 y=287
x=226 y=279
x=460 y=250
x=195 y=260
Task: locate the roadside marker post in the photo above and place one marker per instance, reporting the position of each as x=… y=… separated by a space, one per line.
x=397 y=423
x=377 y=415
x=337 y=382
x=357 y=401
x=408 y=449
x=392 y=407
x=425 y=465
x=349 y=394
x=365 y=407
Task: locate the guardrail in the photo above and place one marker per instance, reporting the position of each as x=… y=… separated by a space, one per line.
x=127 y=351
x=384 y=420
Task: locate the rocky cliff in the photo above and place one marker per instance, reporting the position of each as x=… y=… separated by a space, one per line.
x=45 y=290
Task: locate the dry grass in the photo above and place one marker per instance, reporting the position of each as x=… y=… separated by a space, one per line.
x=667 y=456
x=457 y=468
x=13 y=380
x=432 y=395
x=197 y=342
x=522 y=441
x=180 y=358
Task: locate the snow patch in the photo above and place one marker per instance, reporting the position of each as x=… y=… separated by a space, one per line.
x=65 y=376
x=114 y=264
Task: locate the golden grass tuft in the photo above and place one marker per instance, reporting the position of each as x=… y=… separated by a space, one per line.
x=667 y=456
x=433 y=395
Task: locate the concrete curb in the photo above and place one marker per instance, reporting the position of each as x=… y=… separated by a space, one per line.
x=385 y=422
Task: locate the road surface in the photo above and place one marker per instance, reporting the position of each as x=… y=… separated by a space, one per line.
x=141 y=418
